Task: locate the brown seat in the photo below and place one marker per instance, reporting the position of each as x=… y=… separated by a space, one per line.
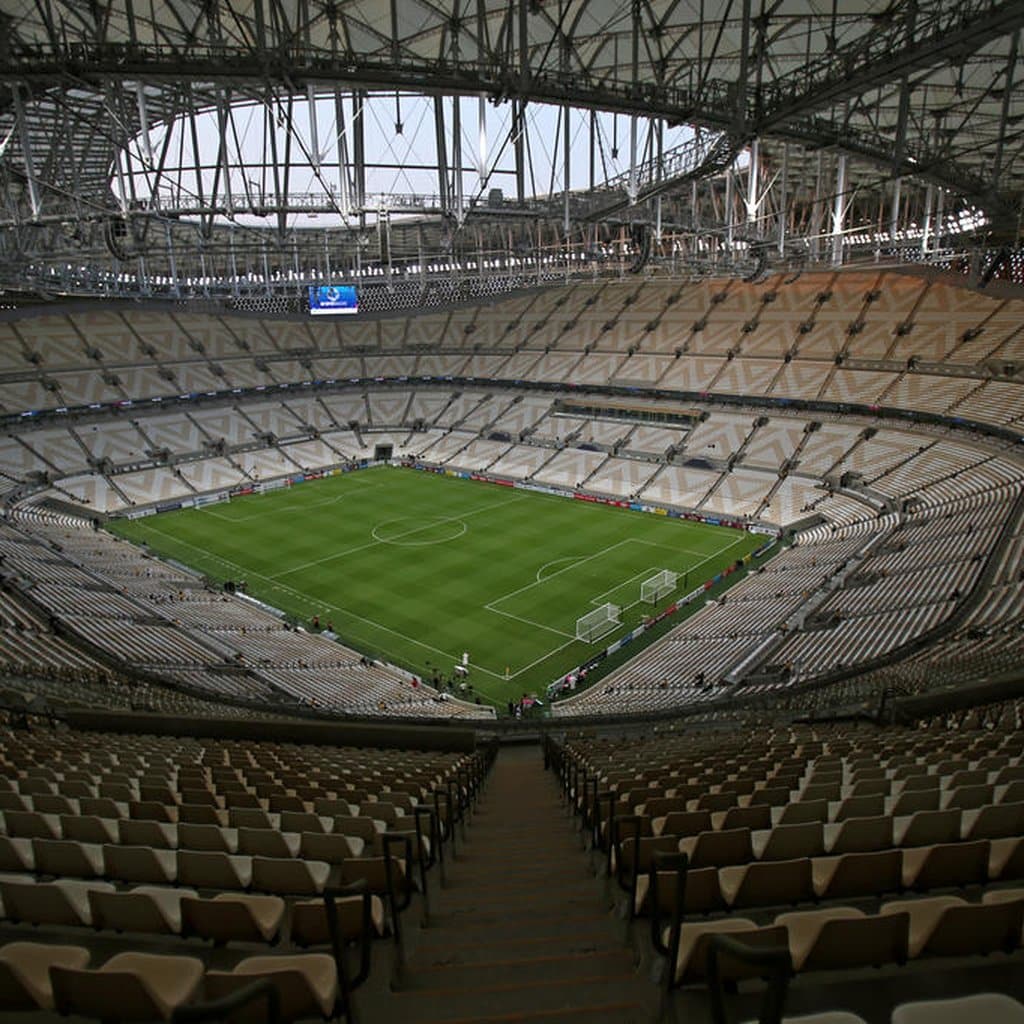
x=718 y=849
x=858 y=874
x=138 y=986
x=946 y=864
x=154 y=910
x=233 y=917
x=307 y=984
x=841 y=937
x=949 y=926
x=25 y=973
x=764 y=884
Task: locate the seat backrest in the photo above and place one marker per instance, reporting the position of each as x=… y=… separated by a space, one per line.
x=866 y=874
x=975 y=929
x=718 y=849
x=860 y=942
x=96 y=993
x=788 y=841
x=862 y=835
x=929 y=827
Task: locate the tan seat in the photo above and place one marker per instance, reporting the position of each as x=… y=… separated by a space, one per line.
x=146 y=908
x=309 y=920
x=968 y=798
x=211 y=838
x=926 y=828
x=209 y=870
x=691 y=961
x=702 y=893
x=857 y=874
x=1006 y=859
x=803 y=811
x=233 y=917
x=90 y=829
x=767 y=883
x=718 y=849
x=305 y=821
x=16 y=854
x=268 y=842
x=859 y=835
x=859 y=806
x=140 y=986
x=946 y=864
x=950 y=926
x=989 y=1007
x=25 y=973
x=31 y=825
x=63 y=902
x=306 y=982
x=331 y=849
x=158 y=834
x=252 y=817
x=840 y=937
x=994 y=821
x=914 y=801
x=68 y=858
x=786 y=842
x=140 y=864
x=289 y=877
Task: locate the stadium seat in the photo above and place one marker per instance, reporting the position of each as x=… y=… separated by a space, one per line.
x=25 y=973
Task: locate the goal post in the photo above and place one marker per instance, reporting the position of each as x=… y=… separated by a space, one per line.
x=660 y=585
x=598 y=623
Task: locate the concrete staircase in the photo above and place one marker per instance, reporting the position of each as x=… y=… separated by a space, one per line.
x=522 y=931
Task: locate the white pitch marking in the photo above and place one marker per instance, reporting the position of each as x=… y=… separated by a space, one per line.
x=398 y=536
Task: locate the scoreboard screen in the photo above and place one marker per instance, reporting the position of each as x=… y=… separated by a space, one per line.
x=332 y=299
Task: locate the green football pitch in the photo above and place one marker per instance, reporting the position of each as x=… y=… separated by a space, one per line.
x=418 y=568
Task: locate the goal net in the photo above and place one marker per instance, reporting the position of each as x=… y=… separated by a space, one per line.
x=597 y=623
x=658 y=586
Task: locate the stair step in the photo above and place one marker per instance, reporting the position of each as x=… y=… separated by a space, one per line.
x=436 y=944
x=514 y=995
x=448 y=970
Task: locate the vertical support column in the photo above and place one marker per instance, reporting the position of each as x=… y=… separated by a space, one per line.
x=816 y=211
x=754 y=173
x=565 y=171
x=838 y=209
x=26 y=150
x=481 y=124
x=659 y=173
x=783 y=197
x=342 y=143
x=894 y=210
x=940 y=214
x=728 y=208
x=460 y=213
x=519 y=129
x=314 y=128
x=929 y=196
x=441 y=142
x=359 y=150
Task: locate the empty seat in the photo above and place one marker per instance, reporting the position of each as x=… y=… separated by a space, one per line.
x=804 y=811
x=331 y=849
x=306 y=982
x=859 y=835
x=994 y=821
x=211 y=870
x=66 y=857
x=90 y=829
x=160 y=835
x=858 y=874
x=31 y=825
x=233 y=917
x=718 y=849
x=63 y=902
x=762 y=884
x=946 y=864
x=140 y=864
x=949 y=926
x=925 y=828
x=25 y=973
x=207 y=837
x=289 y=877
x=840 y=937
x=691 y=961
x=151 y=909
x=784 y=842
x=143 y=985
x=990 y=1007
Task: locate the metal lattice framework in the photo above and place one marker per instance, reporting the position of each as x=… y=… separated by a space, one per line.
x=252 y=146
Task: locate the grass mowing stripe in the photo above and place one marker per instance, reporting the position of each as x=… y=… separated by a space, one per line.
x=418 y=567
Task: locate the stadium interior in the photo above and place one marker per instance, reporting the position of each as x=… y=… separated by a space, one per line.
x=716 y=307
